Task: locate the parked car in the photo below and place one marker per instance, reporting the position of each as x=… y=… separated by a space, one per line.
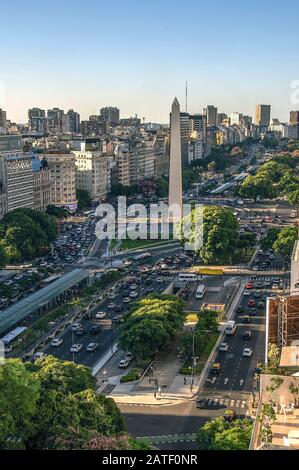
x=123 y=363
x=56 y=342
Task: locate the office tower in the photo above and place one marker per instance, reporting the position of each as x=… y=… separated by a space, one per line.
x=220 y=118
x=16 y=173
x=211 y=113
x=110 y=115
x=235 y=118
x=175 y=164
x=294 y=117
x=185 y=133
x=63 y=180
x=74 y=121
x=3 y=123
x=262 y=115
x=37 y=120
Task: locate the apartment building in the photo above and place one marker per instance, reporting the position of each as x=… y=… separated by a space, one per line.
x=63 y=179
x=16 y=173
x=41 y=184
x=92 y=172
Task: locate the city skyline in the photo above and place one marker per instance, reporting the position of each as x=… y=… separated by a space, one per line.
x=129 y=58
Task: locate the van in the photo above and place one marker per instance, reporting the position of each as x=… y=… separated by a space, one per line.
x=230 y=327
x=200 y=291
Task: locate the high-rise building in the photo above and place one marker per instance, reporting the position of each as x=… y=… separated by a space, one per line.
x=220 y=118
x=110 y=115
x=63 y=180
x=294 y=117
x=175 y=199
x=37 y=120
x=55 y=120
x=262 y=115
x=74 y=121
x=16 y=173
x=211 y=112
x=94 y=126
x=41 y=183
x=92 y=173
x=235 y=118
x=3 y=123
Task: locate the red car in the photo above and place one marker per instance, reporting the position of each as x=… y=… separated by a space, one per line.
x=251 y=303
x=249 y=285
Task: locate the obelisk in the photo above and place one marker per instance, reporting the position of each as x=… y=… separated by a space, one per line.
x=175 y=199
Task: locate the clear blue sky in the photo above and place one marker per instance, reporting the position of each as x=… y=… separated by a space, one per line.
x=137 y=55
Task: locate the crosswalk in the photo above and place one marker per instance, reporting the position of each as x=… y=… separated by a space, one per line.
x=212 y=402
x=170 y=438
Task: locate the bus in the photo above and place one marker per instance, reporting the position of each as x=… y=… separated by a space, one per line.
x=187 y=277
x=10 y=339
x=200 y=291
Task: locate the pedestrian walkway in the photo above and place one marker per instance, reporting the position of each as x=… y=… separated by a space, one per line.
x=212 y=402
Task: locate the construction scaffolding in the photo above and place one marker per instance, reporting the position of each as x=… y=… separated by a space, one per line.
x=283 y=320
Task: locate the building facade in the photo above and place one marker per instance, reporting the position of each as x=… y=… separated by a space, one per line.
x=110 y=115
x=63 y=180
x=92 y=173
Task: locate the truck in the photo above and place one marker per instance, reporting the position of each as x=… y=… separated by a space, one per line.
x=230 y=327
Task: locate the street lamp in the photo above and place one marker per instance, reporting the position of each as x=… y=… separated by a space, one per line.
x=193 y=353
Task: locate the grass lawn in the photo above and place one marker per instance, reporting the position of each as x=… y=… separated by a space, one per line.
x=186 y=369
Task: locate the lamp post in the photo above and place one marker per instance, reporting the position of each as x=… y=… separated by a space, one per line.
x=193 y=353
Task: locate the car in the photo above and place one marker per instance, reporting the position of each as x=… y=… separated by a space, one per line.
x=95 y=329
x=119 y=308
x=87 y=316
x=100 y=315
x=247 y=352
x=56 y=342
x=240 y=309
x=133 y=287
x=123 y=363
x=126 y=300
x=251 y=303
x=249 y=285
x=111 y=306
x=216 y=368
x=260 y=305
x=76 y=348
x=91 y=347
x=246 y=292
x=275 y=285
x=246 y=319
x=133 y=294
x=76 y=326
x=255 y=268
x=257 y=294
x=129 y=356
x=224 y=347
x=229 y=415
x=247 y=335
x=117 y=319
x=252 y=311
x=80 y=332
x=111 y=295
x=201 y=403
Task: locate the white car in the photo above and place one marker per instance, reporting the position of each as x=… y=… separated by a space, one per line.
x=224 y=347
x=246 y=292
x=100 y=315
x=91 y=347
x=76 y=348
x=56 y=342
x=133 y=294
x=76 y=326
x=275 y=286
x=247 y=352
x=133 y=287
x=123 y=364
x=255 y=268
x=111 y=305
x=126 y=300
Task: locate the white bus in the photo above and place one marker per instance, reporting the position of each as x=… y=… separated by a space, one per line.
x=200 y=291
x=187 y=277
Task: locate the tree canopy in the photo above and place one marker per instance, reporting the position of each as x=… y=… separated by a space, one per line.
x=26 y=234
x=219 y=434
x=43 y=404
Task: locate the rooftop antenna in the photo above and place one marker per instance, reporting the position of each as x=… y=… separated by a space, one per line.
x=186 y=97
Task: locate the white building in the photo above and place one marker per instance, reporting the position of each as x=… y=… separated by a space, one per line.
x=92 y=173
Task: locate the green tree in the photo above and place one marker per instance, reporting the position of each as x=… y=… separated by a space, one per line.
x=19 y=392
x=219 y=434
x=293 y=197
x=260 y=185
x=285 y=241
x=83 y=197
x=268 y=241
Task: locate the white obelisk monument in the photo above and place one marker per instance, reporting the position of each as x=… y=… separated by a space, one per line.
x=175 y=199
